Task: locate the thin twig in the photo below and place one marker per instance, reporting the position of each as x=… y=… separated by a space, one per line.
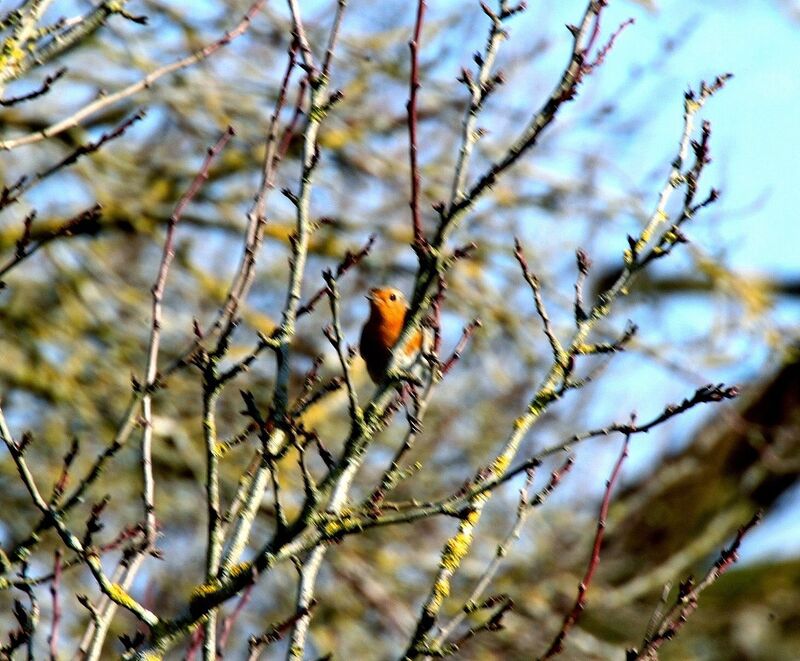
x=85 y=222
x=302 y=39
x=533 y=282
x=275 y=633
x=256 y=215
x=230 y=620
x=56 y=621
x=526 y=503
x=151 y=371
x=392 y=474
x=478 y=91
x=413 y=120
x=349 y=260
x=458 y=350
x=594 y=560
x=337 y=340
x=44 y=88
x=704 y=395
x=333 y=36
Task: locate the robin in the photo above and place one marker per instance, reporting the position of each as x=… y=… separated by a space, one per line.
x=387 y=314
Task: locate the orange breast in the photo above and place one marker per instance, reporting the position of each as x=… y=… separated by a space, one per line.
x=379 y=336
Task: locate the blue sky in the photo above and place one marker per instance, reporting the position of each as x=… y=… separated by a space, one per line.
x=755 y=144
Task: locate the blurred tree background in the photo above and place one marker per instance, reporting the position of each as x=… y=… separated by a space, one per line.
x=75 y=316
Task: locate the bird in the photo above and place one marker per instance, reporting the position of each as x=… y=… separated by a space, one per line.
x=387 y=314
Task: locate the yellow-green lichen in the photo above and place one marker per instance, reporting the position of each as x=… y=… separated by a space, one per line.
x=472 y=517
x=118 y=595
x=481 y=498
x=152 y=656
x=317 y=114
x=692 y=106
x=440 y=592
x=455 y=549
x=204 y=590
x=627 y=257
x=542 y=399
x=343 y=523
x=500 y=465
x=238 y=569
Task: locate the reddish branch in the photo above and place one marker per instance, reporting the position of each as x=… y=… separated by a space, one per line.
x=228 y=622
x=436 y=314
x=555 y=478
x=91 y=147
x=195 y=641
x=39 y=91
x=86 y=223
x=468 y=331
x=256 y=216
x=349 y=260
x=278 y=631
x=334 y=35
x=583 y=587
x=56 y=621
x=61 y=483
x=299 y=34
x=200 y=178
x=536 y=289
x=411 y=108
x=155 y=333
x=601 y=54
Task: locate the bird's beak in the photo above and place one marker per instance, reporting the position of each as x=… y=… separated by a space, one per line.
x=371 y=296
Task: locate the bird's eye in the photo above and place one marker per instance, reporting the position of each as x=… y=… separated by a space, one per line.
x=392 y=297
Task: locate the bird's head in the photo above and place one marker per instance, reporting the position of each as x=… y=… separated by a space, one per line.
x=388 y=303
